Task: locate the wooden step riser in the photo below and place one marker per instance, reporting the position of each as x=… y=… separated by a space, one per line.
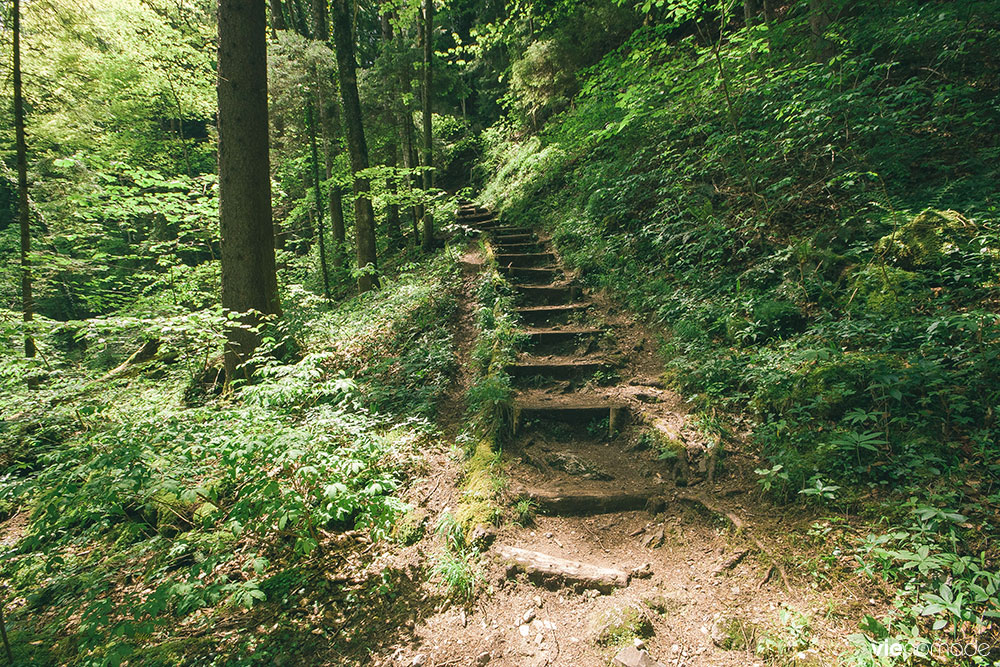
x=517 y=248
x=532 y=295
x=502 y=231
x=525 y=259
x=588 y=504
x=530 y=275
x=582 y=417
x=555 y=371
x=499 y=239
x=473 y=218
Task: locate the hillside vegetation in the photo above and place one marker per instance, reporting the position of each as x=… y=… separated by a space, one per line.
x=818 y=241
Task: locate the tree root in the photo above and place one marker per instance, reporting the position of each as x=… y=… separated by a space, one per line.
x=740 y=527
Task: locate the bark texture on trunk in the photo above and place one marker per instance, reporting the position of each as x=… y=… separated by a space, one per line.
x=428 y=139
x=393 y=231
x=27 y=298
x=249 y=281
x=357 y=147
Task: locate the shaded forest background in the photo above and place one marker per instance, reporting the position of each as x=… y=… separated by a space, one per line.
x=801 y=197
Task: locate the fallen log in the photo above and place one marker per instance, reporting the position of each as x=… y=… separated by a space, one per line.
x=552 y=571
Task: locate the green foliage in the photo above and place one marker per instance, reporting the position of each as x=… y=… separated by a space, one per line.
x=127 y=488
x=819 y=238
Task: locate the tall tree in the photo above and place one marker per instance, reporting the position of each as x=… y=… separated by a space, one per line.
x=406 y=133
x=393 y=230
x=249 y=281
x=427 y=89
x=357 y=147
x=27 y=300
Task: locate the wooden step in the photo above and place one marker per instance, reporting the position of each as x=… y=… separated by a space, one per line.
x=549 y=294
x=552 y=334
x=557 y=368
x=524 y=258
x=546 y=313
x=500 y=239
x=574 y=409
x=477 y=216
x=525 y=246
x=504 y=230
x=585 y=503
x=532 y=274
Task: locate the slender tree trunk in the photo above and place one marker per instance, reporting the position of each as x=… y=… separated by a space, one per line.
x=428 y=139
x=249 y=281
x=819 y=21
x=357 y=147
x=320 y=227
x=27 y=300
x=3 y=624
x=393 y=230
x=751 y=10
x=406 y=135
x=330 y=122
x=277 y=18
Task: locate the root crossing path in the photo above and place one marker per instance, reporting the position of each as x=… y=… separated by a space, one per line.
x=626 y=553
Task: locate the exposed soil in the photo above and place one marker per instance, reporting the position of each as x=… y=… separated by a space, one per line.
x=696 y=553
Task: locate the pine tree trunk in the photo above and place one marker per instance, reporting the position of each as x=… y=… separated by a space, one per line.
x=330 y=122
x=317 y=191
x=27 y=299
x=357 y=147
x=428 y=140
x=249 y=281
x=751 y=10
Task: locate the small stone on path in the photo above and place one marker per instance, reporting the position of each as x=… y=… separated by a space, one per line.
x=630 y=656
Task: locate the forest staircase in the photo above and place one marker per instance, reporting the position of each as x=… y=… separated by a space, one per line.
x=563 y=418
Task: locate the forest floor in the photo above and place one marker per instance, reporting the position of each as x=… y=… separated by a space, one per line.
x=704 y=572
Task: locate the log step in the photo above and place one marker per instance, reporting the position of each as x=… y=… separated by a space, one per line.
x=504 y=230
x=544 y=313
x=519 y=247
x=557 y=572
x=550 y=335
x=477 y=216
x=584 y=503
x=573 y=410
x=500 y=239
x=533 y=274
x=524 y=258
x=556 y=368
x=549 y=294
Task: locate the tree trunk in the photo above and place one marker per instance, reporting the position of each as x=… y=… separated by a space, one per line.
x=27 y=300
x=819 y=21
x=249 y=281
x=330 y=122
x=406 y=135
x=428 y=144
x=394 y=231
x=277 y=18
x=357 y=147
x=751 y=10
x=320 y=227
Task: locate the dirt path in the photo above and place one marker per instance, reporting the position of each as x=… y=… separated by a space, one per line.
x=616 y=475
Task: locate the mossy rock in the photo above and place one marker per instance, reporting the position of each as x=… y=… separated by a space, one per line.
x=927 y=240
x=666 y=604
x=888 y=291
x=734 y=634
x=778 y=319
x=619 y=625
x=410 y=527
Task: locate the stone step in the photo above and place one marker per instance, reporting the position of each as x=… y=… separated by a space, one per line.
x=524 y=258
x=586 y=503
x=544 y=314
